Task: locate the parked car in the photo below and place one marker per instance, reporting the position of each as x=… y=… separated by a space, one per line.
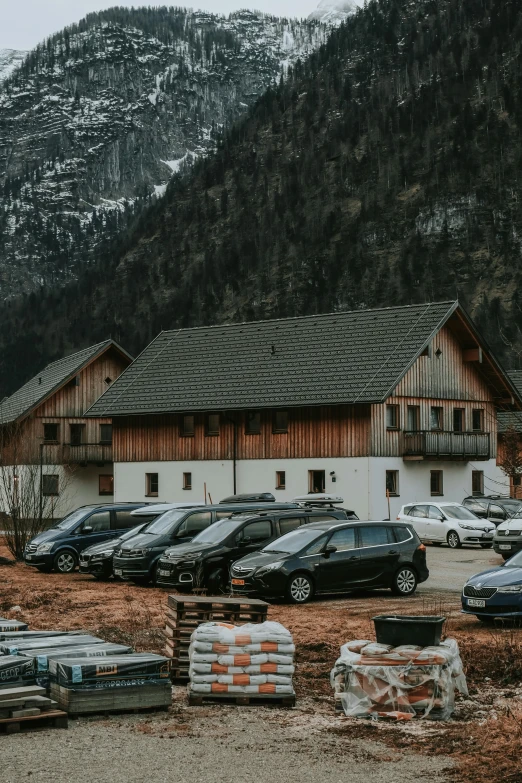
x=59 y=547
x=495 y=508
x=205 y=562
x=97 y=560
x=507 y=540
x=331 y=557
x=449 y=523
x=137 y=558
x=495 y=592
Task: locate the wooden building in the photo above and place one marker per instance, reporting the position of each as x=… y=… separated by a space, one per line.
x=42 y=424
x=398 y=402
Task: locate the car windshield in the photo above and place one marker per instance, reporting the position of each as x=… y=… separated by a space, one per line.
x=217 y=532
x=514 y=562
x=165 y=522
x=458 y=512
x=294 y=541
x=72 y=519
x=513 y=507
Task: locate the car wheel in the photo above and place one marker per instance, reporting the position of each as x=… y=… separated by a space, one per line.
x=404 y=581
x=217 y=582
x=486 y=546
x=300 y=589
x=65 y=562
x=453 y=540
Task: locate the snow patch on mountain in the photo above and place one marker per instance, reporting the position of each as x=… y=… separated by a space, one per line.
x=9 y=60
x=333 y=12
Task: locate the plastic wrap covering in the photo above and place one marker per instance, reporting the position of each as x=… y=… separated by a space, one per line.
x=12 y=625
x=23 y=646
x=28 y=635
x=249 y=659
x=379 y=681
x=16 y=670
x=43 y=655
x=114 y=671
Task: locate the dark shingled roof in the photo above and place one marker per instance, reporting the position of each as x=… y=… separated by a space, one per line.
x=23 y=401
x=512 y=418
x=345 y=357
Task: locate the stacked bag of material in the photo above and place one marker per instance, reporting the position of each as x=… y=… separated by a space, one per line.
x=375 y=680
x=256 y=658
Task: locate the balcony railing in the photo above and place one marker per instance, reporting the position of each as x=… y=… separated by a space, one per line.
x=86 y=453
x=425 y=444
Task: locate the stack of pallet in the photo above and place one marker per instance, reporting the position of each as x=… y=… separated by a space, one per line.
x=374 y=680
x=12 y=625
x=114 y=683
x=246 y=663
x=186 y=613
x=28 y=706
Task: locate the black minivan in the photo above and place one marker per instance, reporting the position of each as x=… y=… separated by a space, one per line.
x=137 y=558
x=328 y=557
x=206 y=560
x=59 y=547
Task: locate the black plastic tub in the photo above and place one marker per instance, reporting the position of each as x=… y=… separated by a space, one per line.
x=398 y=629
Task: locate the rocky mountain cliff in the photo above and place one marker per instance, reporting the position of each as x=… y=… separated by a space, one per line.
x=10 y=59
x=333 y=12
x=384 y=170
x=99 y=117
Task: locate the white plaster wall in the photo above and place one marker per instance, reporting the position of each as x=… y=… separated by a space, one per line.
x=252 y=476
x=414 y=482
x=78 y=487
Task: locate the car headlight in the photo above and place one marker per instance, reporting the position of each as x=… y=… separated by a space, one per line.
x=189 y=555
x=139 y=552
x=270 y=567
x=468 y=527
x=102 y=555
x=44 y=548
x=510 y=589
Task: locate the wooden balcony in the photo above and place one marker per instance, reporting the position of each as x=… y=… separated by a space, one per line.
x=425 y=444
x=86 y=453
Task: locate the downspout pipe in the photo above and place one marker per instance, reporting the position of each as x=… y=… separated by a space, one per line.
x=234 y=449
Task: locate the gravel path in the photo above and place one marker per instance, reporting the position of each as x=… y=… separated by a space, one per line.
x=211 y=744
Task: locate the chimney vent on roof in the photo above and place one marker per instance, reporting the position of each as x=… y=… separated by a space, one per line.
x=273 y=350
x=39 y=380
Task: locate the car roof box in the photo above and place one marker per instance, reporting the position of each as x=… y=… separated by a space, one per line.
x=254 y=497
x=161 y=508
x=319 y=499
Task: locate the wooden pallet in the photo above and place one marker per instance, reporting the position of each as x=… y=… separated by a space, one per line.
x=56 y=719
x=242 y=699
x=186 y=613
x=133 y=698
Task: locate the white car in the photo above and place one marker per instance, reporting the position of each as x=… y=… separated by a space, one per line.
x=448 y=523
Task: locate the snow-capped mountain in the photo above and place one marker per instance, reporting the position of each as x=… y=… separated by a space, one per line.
x=98 y=118
x=9 y=60
x=333 y=12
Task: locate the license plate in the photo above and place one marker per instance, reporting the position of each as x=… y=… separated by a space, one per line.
x=83 y=563
x=118 y=572
x=478 y=602
x=504 y=546
x=28 y=557
x=238 y=581
x=162 y=572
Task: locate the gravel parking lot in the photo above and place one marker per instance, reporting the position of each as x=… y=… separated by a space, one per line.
x=450 y=568
x=212 y=745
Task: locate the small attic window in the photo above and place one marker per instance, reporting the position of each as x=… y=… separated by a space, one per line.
x=39 y=380
x=108 y=380
x=438 y=353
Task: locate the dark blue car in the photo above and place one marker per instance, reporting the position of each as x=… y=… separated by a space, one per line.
x=59 y=547
x=496 y=592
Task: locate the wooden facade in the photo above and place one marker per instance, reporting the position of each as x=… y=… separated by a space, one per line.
x=65 y=407
x=447 y=377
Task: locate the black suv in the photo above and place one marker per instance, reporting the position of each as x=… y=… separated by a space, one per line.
x=136 y=559
x=327 y=557
x=495 y=508
x=205 y=562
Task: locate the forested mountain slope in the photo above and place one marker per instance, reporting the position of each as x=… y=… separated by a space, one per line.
x=98 y=117
x=384 y=171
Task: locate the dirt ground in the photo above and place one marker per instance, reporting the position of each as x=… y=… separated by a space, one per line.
x=483 y=740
